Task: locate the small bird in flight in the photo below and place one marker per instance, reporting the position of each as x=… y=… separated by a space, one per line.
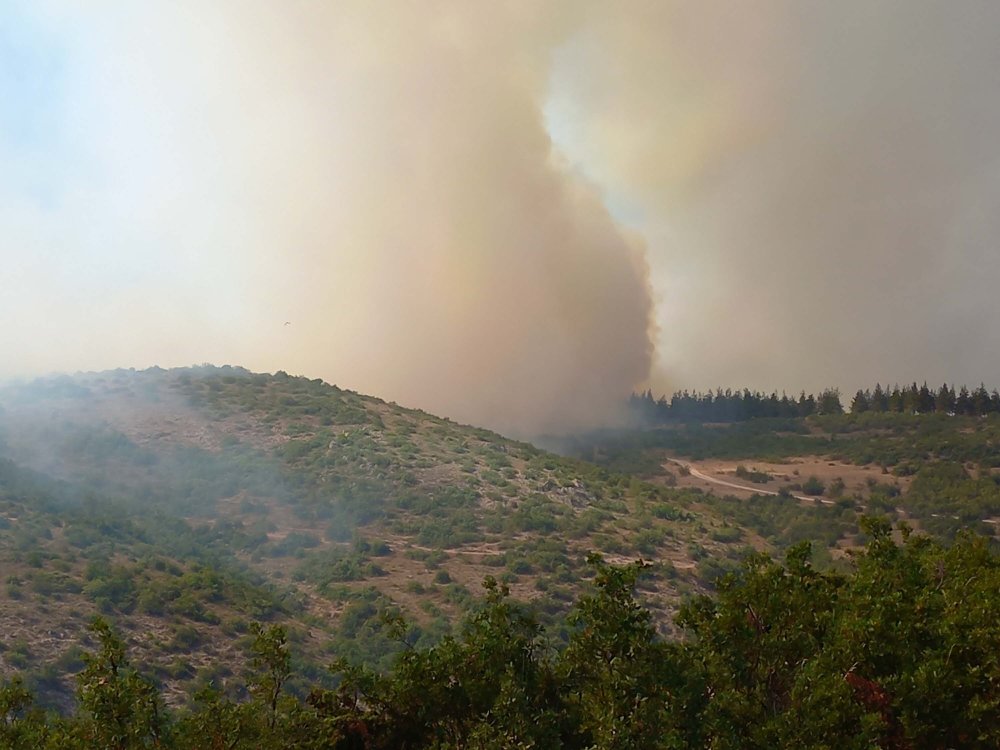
x=288 y=322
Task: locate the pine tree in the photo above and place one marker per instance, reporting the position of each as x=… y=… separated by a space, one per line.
x=944 y=401
x=963 y=404
x=925 y=400
x=807 y=405
x=981 y=401
x=829 y=402
x=879 y=400
x=861 y=402
x=895 y=401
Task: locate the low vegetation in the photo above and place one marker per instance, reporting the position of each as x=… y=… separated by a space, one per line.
x=245 y=531
x=186 y=504
x=899 y=652
x=948 y=461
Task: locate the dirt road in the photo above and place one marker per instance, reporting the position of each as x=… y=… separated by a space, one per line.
x=726 y=483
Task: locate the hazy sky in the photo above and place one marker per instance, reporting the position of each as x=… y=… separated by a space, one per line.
x=509 y=213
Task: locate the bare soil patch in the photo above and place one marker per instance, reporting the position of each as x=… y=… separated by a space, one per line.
x=795 y=471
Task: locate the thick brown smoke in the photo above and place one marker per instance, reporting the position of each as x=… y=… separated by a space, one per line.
x=819 y=182
x=380 y=177
x=464 y=268
x=433 y=195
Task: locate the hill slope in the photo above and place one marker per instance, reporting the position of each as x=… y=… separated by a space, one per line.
x=183 y=504
x=938 y=472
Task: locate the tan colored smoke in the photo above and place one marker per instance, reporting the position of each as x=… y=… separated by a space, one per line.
x=818 y=182
x=378 y=175
x=423 y=190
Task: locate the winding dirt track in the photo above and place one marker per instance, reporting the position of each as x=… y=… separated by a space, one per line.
x=725 y=483
x=825 y=501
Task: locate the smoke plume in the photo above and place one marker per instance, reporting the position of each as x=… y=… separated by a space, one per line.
x=472 y=207
x=819 y=183
x=377 y=176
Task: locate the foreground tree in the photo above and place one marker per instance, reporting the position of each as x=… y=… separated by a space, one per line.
x=121 y=709
x=750 y=643
x=624 y=686
x=22 y=724
x=493 y=686
x=901 y=654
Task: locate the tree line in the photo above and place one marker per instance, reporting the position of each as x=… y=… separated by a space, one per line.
x=899 y=653
x=737 y=406
x=912 y=399
x=730 y=406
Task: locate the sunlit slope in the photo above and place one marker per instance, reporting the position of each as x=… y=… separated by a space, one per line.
x=185 y=503
x=939 y=472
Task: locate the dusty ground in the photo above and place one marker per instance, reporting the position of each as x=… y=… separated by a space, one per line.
x=795 y=471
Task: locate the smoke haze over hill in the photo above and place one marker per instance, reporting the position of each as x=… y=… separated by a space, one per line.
x=509 y=213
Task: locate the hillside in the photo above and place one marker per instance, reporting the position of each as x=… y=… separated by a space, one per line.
x=185 y=504
x=243 y=532
x=788 y=479
x=898 y=653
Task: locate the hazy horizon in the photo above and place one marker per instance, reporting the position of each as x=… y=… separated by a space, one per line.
x=512 y=214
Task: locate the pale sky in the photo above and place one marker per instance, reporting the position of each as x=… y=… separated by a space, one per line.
x=509 y=213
